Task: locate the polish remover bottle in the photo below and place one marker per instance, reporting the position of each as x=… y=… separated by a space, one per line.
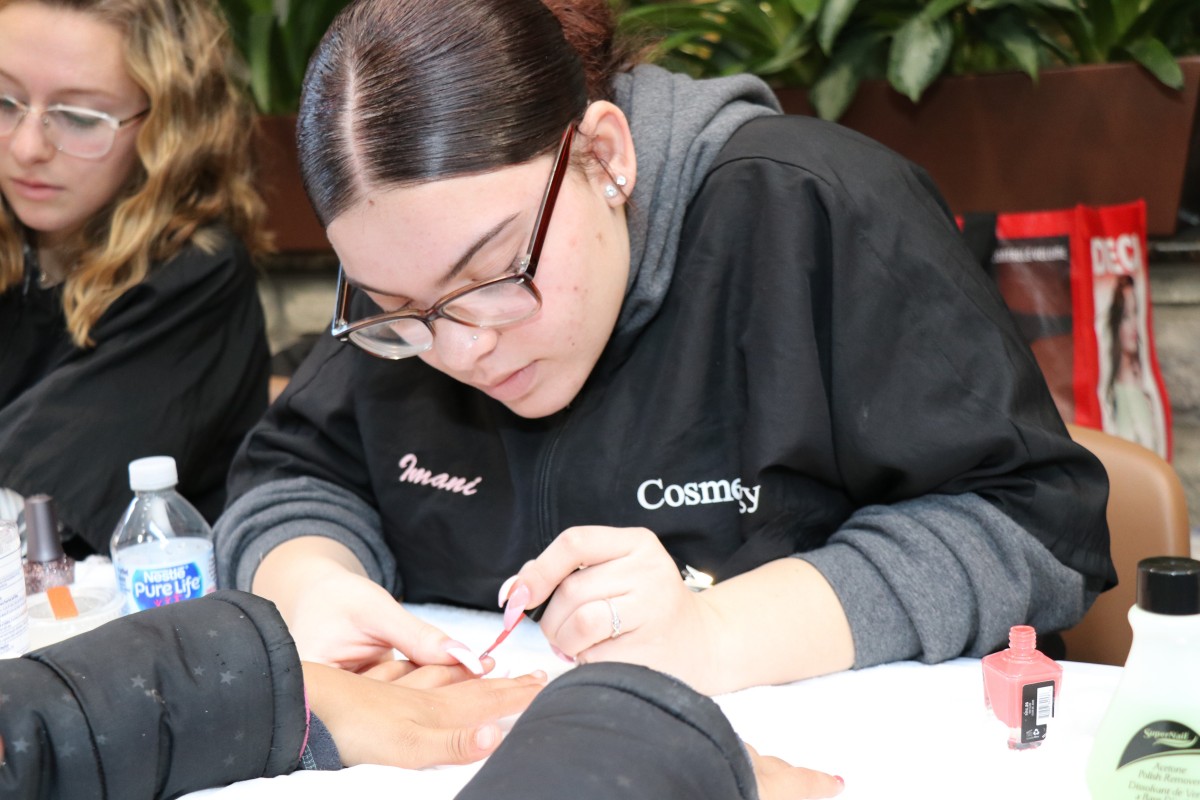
x=162 y=549
x=14 y=615
x=1021 y=687
x=1148 y=744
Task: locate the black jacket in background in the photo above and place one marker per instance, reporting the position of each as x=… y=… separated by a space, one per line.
x=179 y=368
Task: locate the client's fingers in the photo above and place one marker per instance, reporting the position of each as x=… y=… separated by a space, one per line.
x=779 y=780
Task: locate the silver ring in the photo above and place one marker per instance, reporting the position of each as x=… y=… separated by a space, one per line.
x=616 y=619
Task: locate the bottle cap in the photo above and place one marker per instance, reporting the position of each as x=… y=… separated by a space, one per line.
x=152 y=473
x=1169 y=585
x=42 y=537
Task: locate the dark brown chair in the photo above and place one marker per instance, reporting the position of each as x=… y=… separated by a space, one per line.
x=1147 y=516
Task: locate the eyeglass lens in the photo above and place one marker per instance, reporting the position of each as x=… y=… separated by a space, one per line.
x=75 y=131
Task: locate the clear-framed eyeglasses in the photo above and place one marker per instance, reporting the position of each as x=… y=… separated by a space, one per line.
x=492 y=303
x=76 y=131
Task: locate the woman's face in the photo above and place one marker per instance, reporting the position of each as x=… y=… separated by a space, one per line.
x=48 y=56
x=1128 y=330
x=409 y=247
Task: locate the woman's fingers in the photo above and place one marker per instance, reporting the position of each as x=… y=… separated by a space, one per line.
x=575 y=549
x=779 y=780
x=404 y=724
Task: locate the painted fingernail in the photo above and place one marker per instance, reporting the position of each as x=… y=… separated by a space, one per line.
x=515 y=607
x=485 y=737
x=465 y=657
x=841 y=783
x=505 y=588
x=562 y=655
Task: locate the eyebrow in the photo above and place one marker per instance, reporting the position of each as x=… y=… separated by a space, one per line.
x=458 y=266
x=75 y=93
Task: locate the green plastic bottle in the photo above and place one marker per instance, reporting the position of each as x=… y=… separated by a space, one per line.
x=1148 y=744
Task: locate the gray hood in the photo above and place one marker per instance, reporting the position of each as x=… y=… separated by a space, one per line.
x=679 y=124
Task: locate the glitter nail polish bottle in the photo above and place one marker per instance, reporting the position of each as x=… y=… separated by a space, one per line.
x=46 y=564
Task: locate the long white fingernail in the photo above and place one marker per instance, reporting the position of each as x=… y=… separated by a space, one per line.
x=465 y=657
x=505 y=588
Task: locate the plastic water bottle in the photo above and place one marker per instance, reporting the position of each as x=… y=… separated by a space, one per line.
x=162 y=548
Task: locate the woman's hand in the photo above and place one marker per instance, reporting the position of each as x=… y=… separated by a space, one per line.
x=423 y=717
x=618 y=596
x=779 y=780
x=774 y=624
x=337 y=615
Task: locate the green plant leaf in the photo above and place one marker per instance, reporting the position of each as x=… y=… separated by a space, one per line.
x=1018 y=40
x=1154 y=56
x=940 y=8
x=918 y=54
x=807 y=9
x=834 y=14
x=834 y=90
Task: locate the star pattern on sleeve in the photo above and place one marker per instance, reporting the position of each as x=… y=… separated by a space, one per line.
x=228 y=678
x=139 y=682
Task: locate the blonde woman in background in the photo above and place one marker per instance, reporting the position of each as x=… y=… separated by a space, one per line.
x=129 y=320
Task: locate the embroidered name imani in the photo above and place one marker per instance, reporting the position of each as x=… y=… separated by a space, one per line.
x=444 y=481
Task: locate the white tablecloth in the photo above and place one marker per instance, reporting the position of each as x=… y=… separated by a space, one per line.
x=903 y=730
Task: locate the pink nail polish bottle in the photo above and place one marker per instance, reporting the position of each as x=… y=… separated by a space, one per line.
x=1021 y=687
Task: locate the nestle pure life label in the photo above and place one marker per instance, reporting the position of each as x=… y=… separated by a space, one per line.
x=155 y=574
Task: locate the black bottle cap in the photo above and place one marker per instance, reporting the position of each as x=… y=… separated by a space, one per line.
x=43 y=541
x=1169 y=585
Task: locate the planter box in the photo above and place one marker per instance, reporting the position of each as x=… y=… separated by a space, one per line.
x=1095 y=134
x=289 y=215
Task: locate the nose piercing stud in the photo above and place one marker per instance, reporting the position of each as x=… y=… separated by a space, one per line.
x=474 y=337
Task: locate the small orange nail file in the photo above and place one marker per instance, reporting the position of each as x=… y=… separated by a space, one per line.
x=61 y=602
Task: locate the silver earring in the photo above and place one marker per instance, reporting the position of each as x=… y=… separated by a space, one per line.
x=621 y=180
x=610 y=191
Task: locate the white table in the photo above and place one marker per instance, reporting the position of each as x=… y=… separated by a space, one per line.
x=903 y=730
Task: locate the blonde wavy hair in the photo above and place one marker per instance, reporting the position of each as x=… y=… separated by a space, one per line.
x=193 y=168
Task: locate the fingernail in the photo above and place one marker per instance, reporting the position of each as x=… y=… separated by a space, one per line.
x=465 y=657
x=562 y=655
x=505 y=588
x=841 y=783
x=515 y=606
x=485 y=737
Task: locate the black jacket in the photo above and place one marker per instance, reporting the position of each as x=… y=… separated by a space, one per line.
x=827 y=344
x=158 y=704
x=179 y=368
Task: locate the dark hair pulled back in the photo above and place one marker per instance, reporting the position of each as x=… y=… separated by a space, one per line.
x=401 y=92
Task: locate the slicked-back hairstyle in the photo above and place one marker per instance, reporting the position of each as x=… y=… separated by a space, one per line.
x=193 y=156
x=402 y=92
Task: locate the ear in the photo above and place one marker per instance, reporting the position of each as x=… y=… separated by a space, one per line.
x=611 y=144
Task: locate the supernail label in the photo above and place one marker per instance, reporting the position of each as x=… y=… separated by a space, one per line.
x=1161 y=738
x=1037 y=707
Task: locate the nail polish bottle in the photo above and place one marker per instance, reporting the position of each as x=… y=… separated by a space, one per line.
x=1021 y=686
x=46 y=564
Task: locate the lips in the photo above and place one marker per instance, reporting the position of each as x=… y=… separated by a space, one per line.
x=34 y=190
x=510 y=386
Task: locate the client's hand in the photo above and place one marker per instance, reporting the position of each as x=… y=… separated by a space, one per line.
x=779 y=780
x=426 y=716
